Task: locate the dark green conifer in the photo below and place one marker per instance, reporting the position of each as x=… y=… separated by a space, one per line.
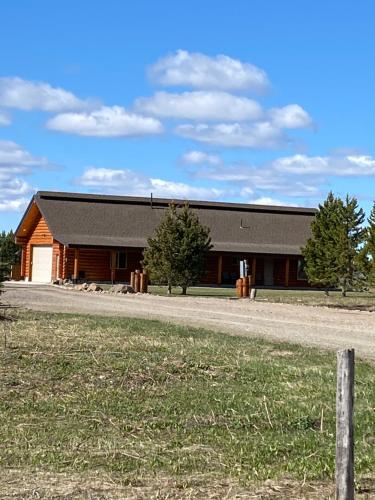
x=333 y=253
x=175 y=256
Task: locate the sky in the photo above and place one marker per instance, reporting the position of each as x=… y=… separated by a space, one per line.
x=252 y=101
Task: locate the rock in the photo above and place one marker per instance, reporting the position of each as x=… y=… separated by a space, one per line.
x=58 y=281
x=119 y=289
x=93 y=287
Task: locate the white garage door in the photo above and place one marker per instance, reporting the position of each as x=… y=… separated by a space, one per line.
x=42 y=264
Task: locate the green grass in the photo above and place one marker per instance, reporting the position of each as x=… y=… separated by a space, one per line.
x=354 y=300
x=144 y=398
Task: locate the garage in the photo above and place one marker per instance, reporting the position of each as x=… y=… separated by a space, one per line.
x=41 y=264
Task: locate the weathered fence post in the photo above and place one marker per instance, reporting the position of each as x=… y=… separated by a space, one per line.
x=344 y=425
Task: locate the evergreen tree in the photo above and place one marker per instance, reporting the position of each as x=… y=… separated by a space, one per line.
x=159 y=257
x=319 y=252
x=368 y=253
x=177 y=253
x=9 y=253
x=333 y=253
x=350 y=269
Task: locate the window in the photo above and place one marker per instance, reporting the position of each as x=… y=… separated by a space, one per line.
x=121 y=260
x=301 y=273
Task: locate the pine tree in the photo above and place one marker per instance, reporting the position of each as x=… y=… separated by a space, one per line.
x=350 y=269
x=368 y=253
x=159 y=256
x=176 y=254
x=333 y=253
x=9 y=253
x=319 y=252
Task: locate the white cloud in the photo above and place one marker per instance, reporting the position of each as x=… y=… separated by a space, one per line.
x=341 y=166
x=200 y=105
x=129 y=182
x=291 y=116
x=15 y=161
x=28 y=95
x=266 y=200
x=184 y=68
x=4 y=119
x=199 y=158
x=107 y=121
x=261 y=135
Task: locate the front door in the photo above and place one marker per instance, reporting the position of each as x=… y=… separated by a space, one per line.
x=268 y=271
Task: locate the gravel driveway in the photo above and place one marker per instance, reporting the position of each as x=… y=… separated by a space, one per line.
x=314 y=326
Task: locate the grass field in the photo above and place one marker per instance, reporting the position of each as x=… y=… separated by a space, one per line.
x=144 y=402
x=354 y=300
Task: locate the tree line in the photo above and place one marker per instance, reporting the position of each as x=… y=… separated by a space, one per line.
x=9 y=253
x=341 y=250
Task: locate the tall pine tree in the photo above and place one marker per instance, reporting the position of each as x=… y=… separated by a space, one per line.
x=333 y=253
x=176 y=255
x=320 y=253
x=350 y=270
x=369 y=248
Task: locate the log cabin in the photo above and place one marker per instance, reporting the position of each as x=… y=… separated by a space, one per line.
x=84 y=237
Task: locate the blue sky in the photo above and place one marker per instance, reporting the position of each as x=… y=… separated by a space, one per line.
x=252 y=101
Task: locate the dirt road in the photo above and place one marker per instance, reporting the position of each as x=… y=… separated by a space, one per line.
x=314 y=326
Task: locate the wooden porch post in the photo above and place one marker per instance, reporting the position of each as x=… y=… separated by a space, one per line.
x=76 y=264
x=64 y=263
x=219 y=269
x=113 y=266
x=287 y=265
x=253 y=270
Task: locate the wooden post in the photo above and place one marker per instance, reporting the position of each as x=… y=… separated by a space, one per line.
x=132 y=280
x=113 y=266
x=137 y=281
x=253 y=270
x=219 y=269
x=344 y=425
x=76 y=264
x=239 y=288
x=245 y=286
x=143 y=282
x=287 y=265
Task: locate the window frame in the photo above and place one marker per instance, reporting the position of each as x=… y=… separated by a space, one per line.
x=118 y=253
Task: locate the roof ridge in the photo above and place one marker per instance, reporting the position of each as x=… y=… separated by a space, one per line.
x=165 y=201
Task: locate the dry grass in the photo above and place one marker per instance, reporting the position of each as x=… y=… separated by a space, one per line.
x=95 y=407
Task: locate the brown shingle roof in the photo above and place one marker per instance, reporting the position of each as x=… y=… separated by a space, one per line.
x=119 y=221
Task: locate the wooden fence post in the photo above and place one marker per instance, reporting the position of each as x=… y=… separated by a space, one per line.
x=344 y=425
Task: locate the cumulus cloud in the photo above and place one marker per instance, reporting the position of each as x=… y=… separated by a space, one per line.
x=198 y=70
x=16 y=161
x=4 y=119
x=107 y=121
x=291 y=116
x=341 y=166
x=266 y=200
x=200 y=105
x=200 y=158
x=129 y=182
x=261 y=135
x=28 y=95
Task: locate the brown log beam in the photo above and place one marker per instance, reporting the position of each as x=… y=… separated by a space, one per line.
x=76 y=264
x=219 y=269
x=253 y=270
x=287 y=266
x=113 y=266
